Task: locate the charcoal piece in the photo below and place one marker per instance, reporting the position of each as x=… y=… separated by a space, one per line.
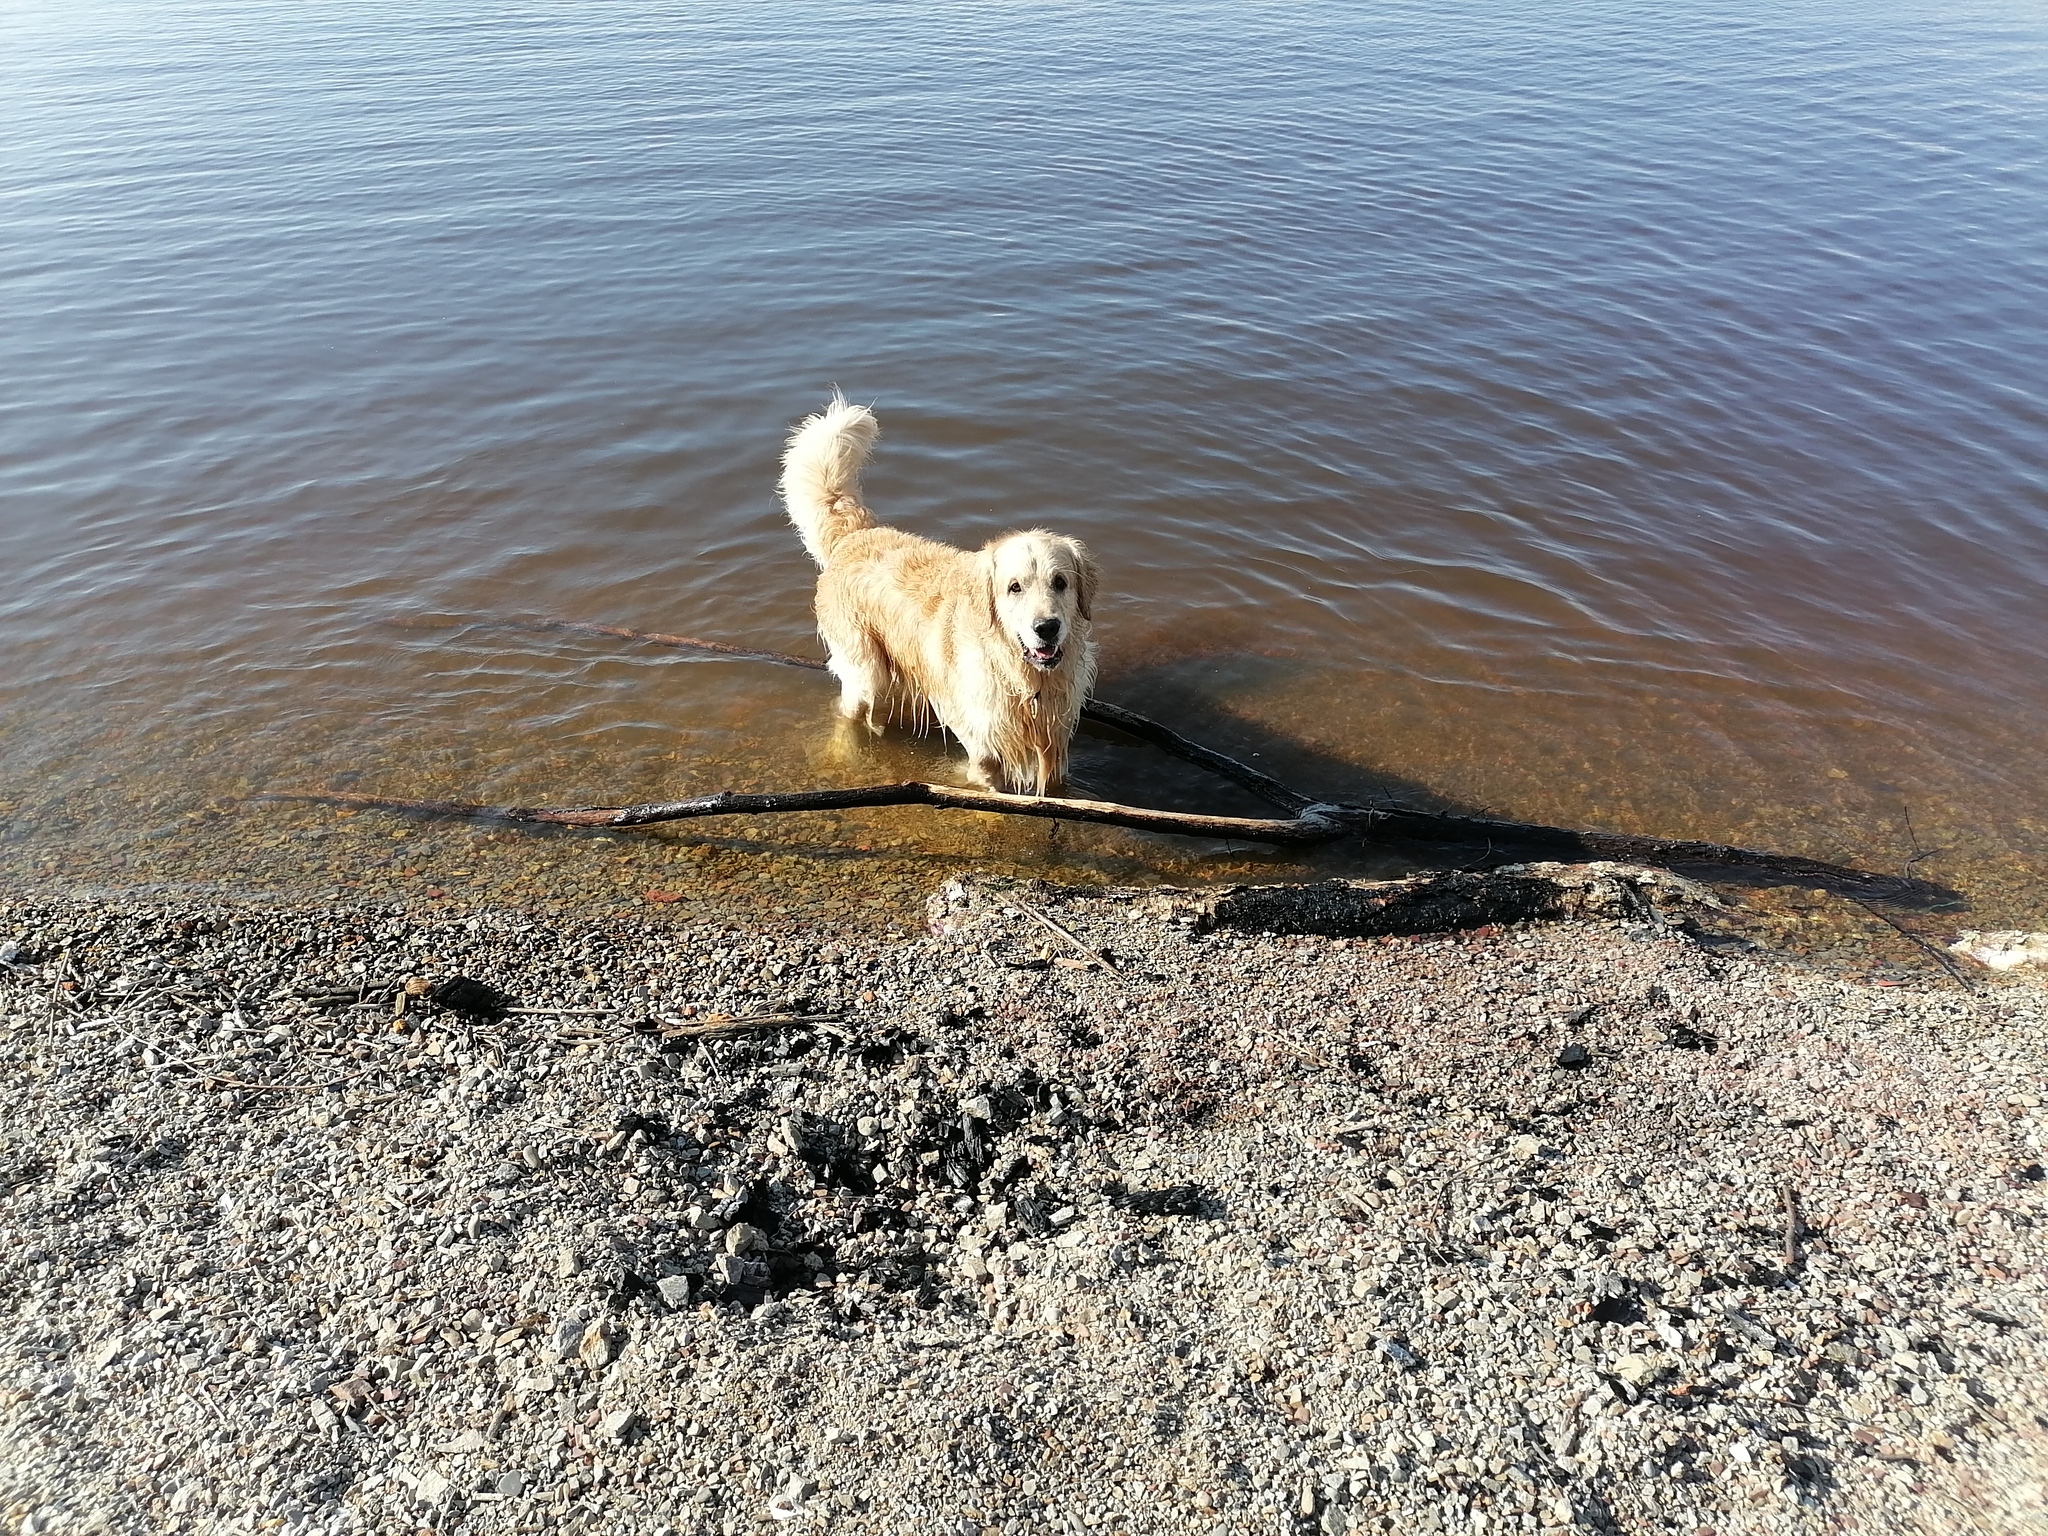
x=1175 y=1200
x=880 y=1218
x=1574 y=1058
x=631 y=1288
x=1030 y=1216
x=888 y=1048
x=750 y=1205
x=1685 y=1038
x=650 y=1126
x=1627 y=1308
x=840 y=1171
x=465 y=994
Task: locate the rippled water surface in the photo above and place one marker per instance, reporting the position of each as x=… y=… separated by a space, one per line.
x=1600 y=414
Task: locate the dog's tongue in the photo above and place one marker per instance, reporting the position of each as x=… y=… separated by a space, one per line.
x=1046 y=654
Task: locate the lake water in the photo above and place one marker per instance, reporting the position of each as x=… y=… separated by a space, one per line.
x=1602 y=414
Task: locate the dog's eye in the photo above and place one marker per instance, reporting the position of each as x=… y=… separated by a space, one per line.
x=1016 y=587
x=1059 y=583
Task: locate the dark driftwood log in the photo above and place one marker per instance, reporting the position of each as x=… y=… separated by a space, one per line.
x=1309 y=820
x=980 y=906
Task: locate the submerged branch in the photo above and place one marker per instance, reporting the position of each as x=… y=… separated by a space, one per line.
x=1310 y=827
x=1309 y=821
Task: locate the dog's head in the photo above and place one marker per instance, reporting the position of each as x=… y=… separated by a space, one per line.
x=1041 y=593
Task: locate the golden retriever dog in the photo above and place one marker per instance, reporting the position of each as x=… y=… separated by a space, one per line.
x=995 y=642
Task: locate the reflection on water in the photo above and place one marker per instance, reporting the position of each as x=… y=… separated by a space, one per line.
x=1589 y=415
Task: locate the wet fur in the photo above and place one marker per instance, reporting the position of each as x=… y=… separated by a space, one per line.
x=917 y=629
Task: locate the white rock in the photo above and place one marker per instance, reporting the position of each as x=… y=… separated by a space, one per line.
x=432 y=1489
x=675 y=1290
x=618 y=1425
x=1637 y=1370
x=2004 y=950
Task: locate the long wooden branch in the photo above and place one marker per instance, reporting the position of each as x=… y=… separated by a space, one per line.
x=1307 y=828
x=1309 y=821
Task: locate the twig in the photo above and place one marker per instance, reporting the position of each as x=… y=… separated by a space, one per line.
x=1099 y=955
x=713 y=1028
x=561 y=1013
x=1947 y=961
x=1913 y=841
x=1794 y=1227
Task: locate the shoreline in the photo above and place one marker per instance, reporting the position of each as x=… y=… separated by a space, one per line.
x=1252 y=1232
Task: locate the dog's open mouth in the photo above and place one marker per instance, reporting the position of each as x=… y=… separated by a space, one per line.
x=1043 y=657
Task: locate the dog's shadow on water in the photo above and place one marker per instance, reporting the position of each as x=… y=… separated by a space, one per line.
x=1191 y=693
x=1187 y=698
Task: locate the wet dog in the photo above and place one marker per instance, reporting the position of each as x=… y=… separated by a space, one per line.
x=995 y=643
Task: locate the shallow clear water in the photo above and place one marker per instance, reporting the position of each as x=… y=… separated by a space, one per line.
x=1590 y=414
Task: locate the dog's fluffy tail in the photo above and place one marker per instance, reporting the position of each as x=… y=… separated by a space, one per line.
x=821 y=475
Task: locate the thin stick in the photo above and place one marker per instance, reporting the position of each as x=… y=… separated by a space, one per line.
x=1947 y=961
x=1793 y=1227
x=711 y=1028
x=1060 y=928
x=562 y=1013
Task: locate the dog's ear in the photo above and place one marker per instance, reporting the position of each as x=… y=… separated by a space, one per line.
x=985 y=566
x=1087 y=575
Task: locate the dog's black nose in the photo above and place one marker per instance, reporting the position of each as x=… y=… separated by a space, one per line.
x=1047 y=630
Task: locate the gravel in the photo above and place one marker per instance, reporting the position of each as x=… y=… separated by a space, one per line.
x=1579 y=1226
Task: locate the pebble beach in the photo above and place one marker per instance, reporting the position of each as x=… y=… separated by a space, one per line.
x=1071 y=1213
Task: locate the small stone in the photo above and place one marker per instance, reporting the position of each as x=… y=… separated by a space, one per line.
x=675 y=1291
x=1400 y=1354
x=744 y=1238
x=464 y=1444
x=511 y=1485
x=567 y=1337
x=1525 y=1147
x=432 y=1489
x=698 y=1219
x=1574 y=1057
x=978 y=1107
x=1637 y=1370
x=977 y=1271
x=567 y=1262
x=600 y=1345
x=190 y=1497
x=619 y=1425
x=729 y=1268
